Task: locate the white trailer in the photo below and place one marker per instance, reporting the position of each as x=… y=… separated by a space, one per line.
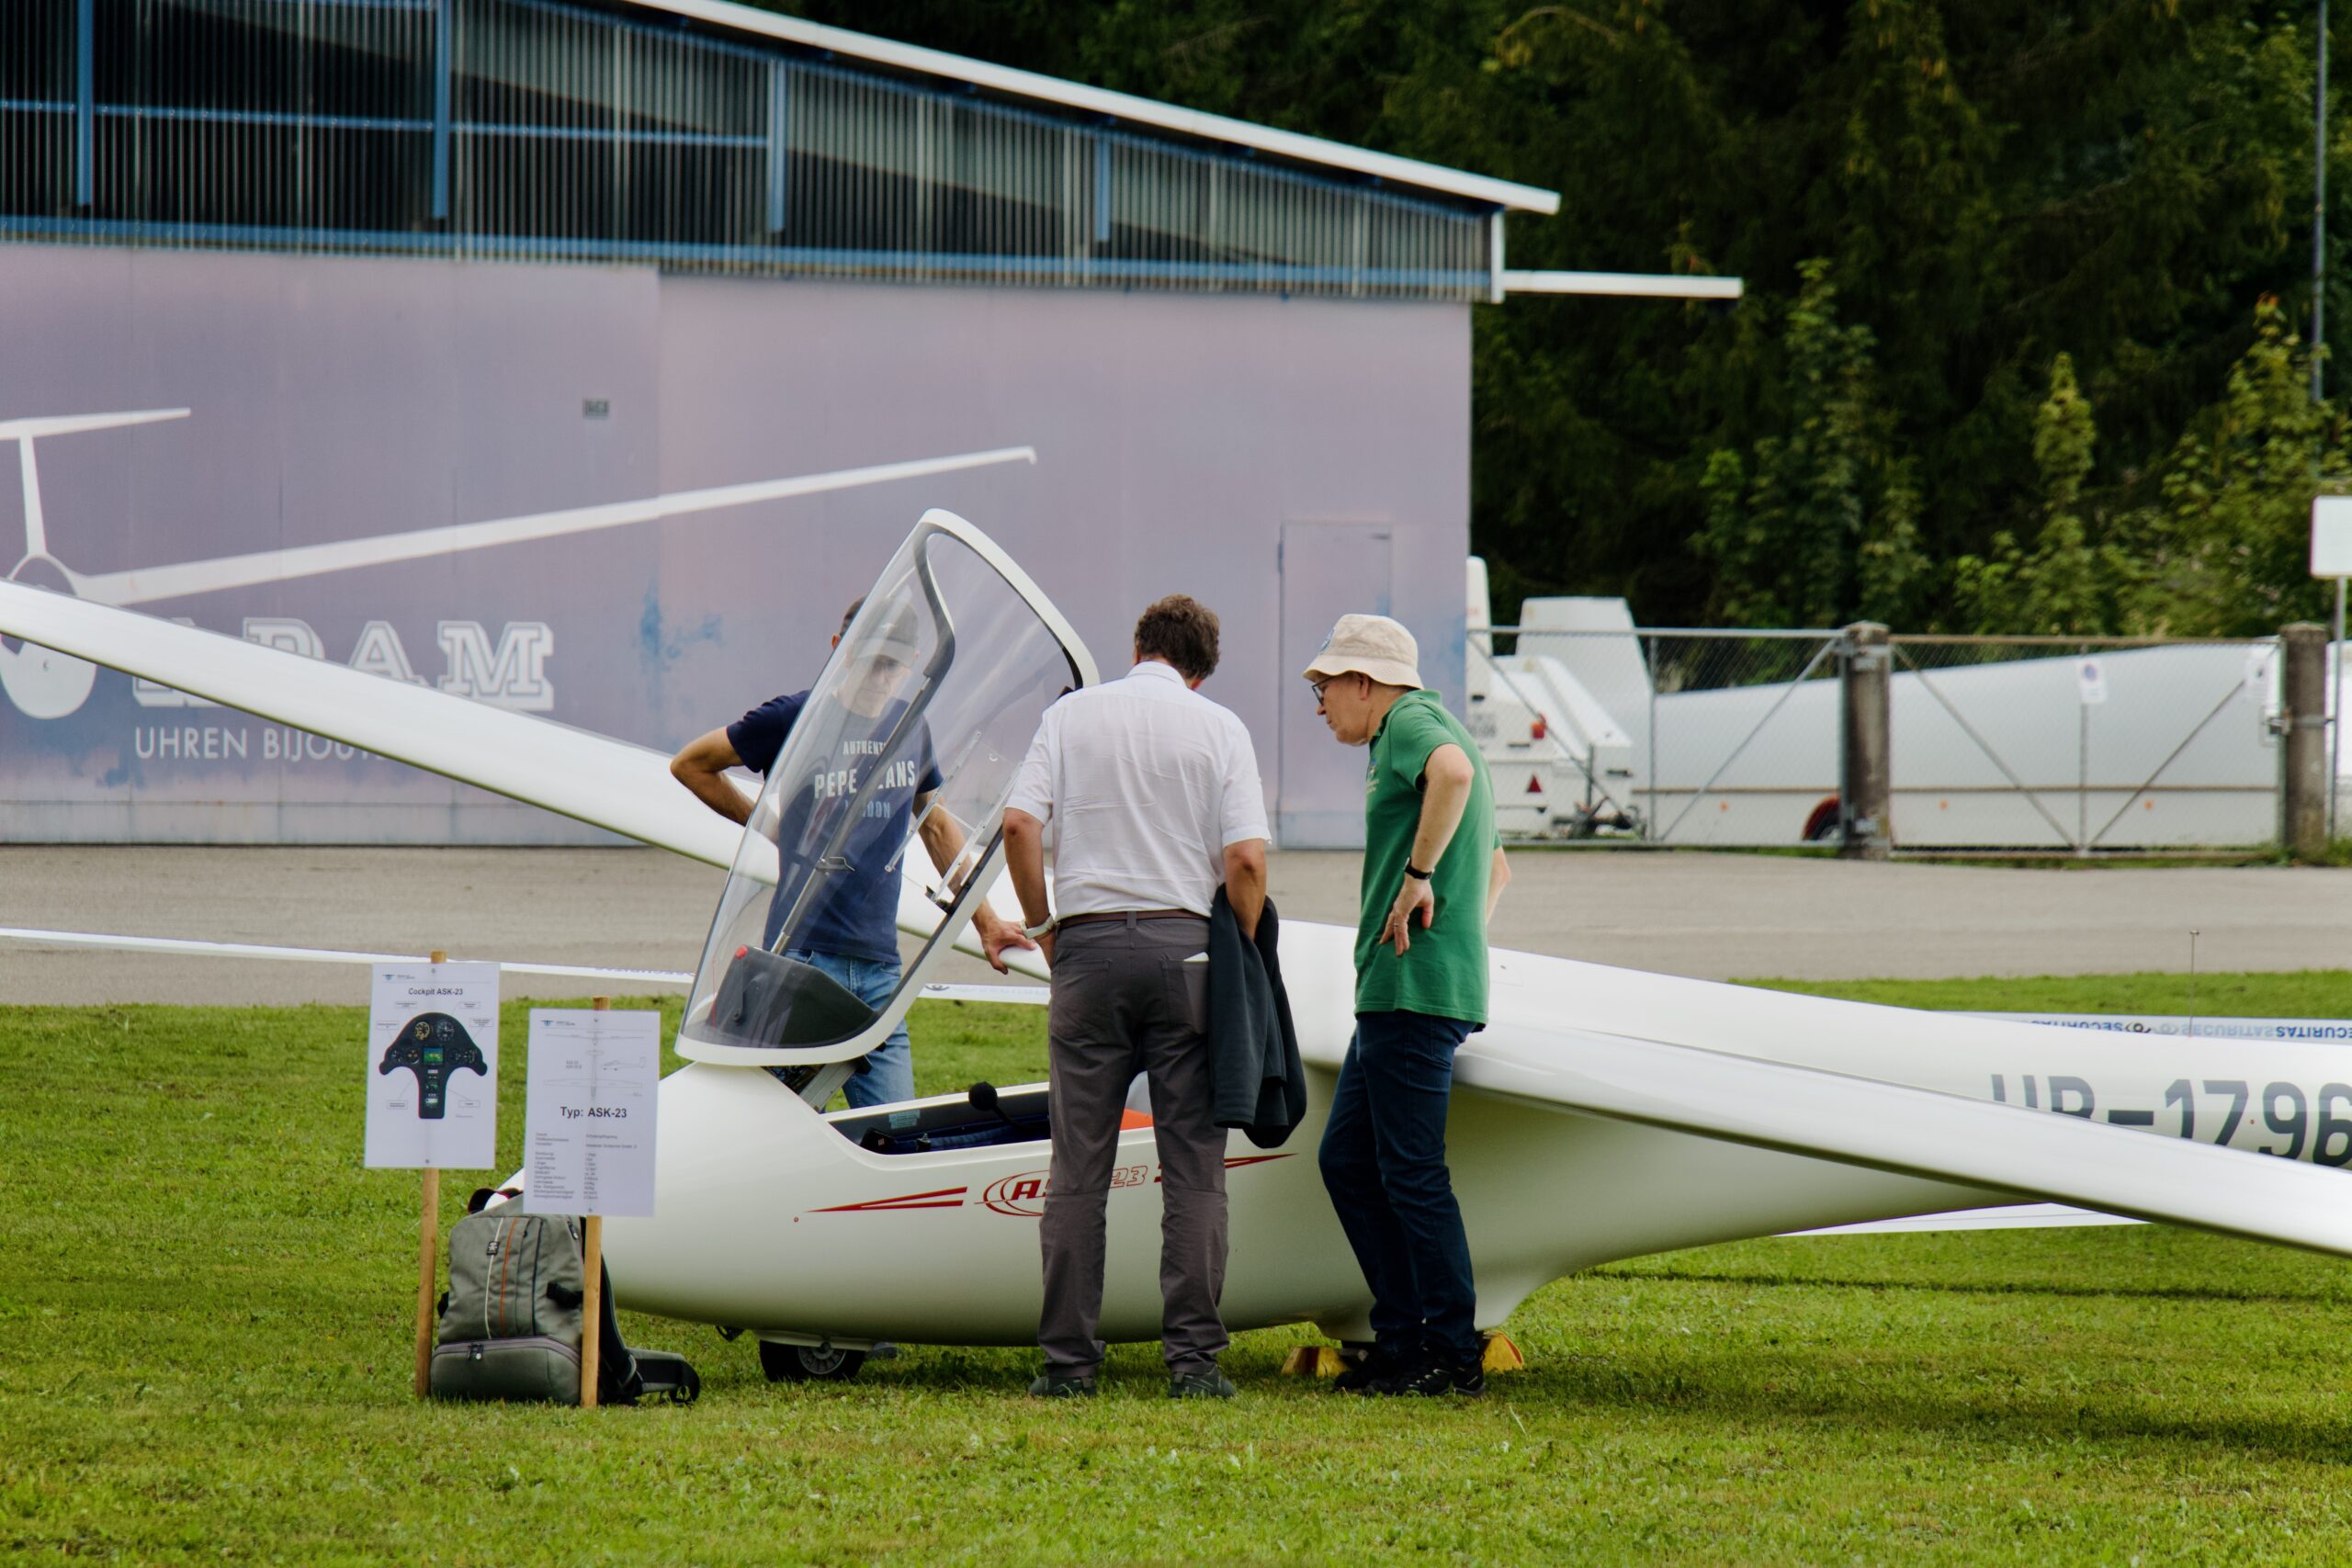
x=1561 y=763
x=2141 y=748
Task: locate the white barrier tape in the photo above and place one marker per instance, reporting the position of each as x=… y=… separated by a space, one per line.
x=315 y=954
x=1023 y=996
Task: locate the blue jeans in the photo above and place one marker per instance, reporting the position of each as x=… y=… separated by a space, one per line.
x=889 y=1075
x=1383 y=1163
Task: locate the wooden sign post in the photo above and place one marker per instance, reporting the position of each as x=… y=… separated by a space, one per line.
x=591 y=1293
x=428 y=1261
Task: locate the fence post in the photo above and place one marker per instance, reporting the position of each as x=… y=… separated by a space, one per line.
x=1649 y=823
x=1863 y=769
x=2302 y=750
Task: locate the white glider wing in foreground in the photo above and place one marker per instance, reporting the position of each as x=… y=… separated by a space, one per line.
x=1917 y=1131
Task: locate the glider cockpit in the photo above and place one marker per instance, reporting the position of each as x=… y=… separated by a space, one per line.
x=891 y=787
x=982 y=1117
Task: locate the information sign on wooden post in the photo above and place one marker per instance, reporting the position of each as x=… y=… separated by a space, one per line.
x=432 y=1095
x=588 y=1127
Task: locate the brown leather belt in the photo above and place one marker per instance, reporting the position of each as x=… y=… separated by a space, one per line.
x=1129 y=915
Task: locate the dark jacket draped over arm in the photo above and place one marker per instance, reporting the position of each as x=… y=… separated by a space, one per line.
x=1253 y=1049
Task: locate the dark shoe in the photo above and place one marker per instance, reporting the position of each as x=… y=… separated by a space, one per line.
x=1380 y=1364
x=1051 y=1385
x=1439 y=1374
x=1210 y=1384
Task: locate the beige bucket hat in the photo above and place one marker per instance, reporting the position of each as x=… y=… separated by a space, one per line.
x=1370 y=645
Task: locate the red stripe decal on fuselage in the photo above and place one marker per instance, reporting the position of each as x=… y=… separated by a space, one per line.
x=1232 y=1162
x=1029 y=1200
x=944 y=1198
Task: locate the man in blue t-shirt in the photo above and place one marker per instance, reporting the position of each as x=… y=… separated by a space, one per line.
x=851 y=932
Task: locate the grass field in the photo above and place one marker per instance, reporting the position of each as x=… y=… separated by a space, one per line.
x=205 y=1350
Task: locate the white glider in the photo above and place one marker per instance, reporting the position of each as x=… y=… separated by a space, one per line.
x=1603 y=1113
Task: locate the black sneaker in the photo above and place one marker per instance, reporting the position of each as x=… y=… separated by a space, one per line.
x=1051 y=1385
x=1210 y=1384
x=1438 y=1374
x=1380 y=1364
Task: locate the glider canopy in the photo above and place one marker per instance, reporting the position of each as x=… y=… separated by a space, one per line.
x=883 y=811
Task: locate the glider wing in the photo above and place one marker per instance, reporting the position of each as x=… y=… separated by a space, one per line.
x=1915 y=1132
x=608 y=784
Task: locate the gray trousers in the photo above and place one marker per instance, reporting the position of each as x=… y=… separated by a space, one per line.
x=1125 y=1002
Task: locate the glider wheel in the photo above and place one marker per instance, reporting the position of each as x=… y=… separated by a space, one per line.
x=809 y=1363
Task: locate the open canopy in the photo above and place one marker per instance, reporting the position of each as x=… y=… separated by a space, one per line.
x=898 y=760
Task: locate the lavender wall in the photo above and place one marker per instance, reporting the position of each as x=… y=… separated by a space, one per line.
x=1180 y=440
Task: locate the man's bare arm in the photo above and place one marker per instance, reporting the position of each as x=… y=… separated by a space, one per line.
x=1446 y=778
x=942 y=837
x=1025 y=853
x=1497 y=878
x=944 y=840
x=701 y=765
x=1445 y=795
x=1245 y=883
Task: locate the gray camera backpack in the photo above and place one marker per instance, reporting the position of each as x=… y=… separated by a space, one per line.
x=510 y=1322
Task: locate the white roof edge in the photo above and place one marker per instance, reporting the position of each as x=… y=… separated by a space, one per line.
x=1118 y=106
x=1634 y=285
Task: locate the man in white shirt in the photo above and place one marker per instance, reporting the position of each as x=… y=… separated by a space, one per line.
x=1152 y=794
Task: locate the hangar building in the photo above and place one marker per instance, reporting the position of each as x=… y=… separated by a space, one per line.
x=672 y=316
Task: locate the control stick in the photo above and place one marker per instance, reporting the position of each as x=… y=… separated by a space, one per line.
x=983 y=1097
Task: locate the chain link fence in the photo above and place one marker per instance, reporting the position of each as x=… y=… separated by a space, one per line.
x=1687 y=737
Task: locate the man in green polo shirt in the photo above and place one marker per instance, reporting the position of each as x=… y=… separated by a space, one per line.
x=1432 y=869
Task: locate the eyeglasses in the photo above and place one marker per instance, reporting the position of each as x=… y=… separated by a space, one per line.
x=1317 y=687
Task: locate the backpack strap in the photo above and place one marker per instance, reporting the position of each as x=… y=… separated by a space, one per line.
x=617 y=1379
x=668 y=1377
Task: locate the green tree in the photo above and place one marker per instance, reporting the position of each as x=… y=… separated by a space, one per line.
x=2220 y=549
x=2080 y=575
x=1994 y=182
x=1818 y=525
x=2233 y=532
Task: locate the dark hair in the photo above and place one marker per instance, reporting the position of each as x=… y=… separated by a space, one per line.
x=1181 y=630
x=850 y=613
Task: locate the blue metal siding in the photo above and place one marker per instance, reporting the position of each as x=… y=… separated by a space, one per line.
x=533 y=128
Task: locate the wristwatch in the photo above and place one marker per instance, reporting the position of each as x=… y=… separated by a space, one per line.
x=1416 y=873
x=1034 y=932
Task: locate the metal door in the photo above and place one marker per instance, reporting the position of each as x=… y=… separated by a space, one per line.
x=1328 y=570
